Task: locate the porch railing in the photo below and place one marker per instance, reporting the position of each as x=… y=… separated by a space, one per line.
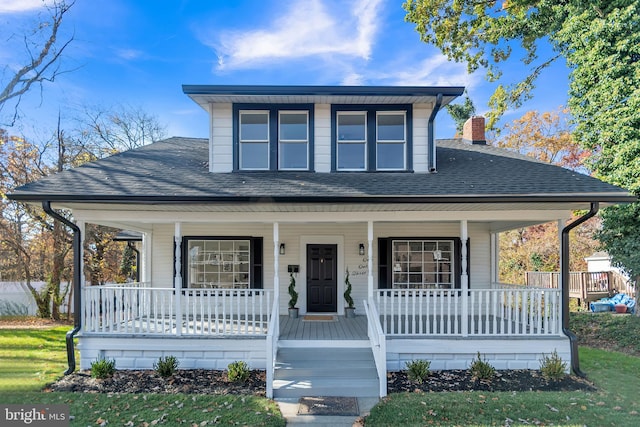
x=273 y=334
x=586 y=285
x=378 y=343
x=481 y=312
x=139 y=308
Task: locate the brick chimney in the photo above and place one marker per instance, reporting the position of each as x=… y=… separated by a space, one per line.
x=473 y=131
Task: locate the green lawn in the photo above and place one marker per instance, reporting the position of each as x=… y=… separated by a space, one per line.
x=31 y=358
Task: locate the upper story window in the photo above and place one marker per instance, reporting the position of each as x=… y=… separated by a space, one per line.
x=254 y=140
x=371 y=137
x=273 y=137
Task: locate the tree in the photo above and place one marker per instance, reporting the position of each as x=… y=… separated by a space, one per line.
x=43 y=52
x=545 y=136
x=460 y=113
x=484 y=34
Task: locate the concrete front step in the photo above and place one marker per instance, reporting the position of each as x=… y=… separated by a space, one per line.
x=325 y=372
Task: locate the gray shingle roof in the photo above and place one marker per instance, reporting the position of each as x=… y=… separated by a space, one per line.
x=176 y=169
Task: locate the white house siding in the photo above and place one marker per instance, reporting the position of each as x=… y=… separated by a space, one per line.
x=192 y=353
x=221 y=138
x=322 y=137
x=458 y=353
x=421 y=113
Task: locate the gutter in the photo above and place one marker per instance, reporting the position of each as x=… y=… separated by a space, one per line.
x=77 y=296
x=431 y=146
x=564 y=278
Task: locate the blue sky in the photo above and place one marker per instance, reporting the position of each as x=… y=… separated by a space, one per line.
x=139 y=53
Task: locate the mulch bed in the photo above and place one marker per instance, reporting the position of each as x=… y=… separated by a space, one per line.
x=197 y=381
x=508 y=380
x=202 y=381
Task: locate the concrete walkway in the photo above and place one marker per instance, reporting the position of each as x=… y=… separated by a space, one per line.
x=289 y=409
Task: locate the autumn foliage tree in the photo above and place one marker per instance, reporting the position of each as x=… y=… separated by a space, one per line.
x=547 y=137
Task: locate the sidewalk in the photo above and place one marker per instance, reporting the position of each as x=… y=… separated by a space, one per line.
x=289 y=408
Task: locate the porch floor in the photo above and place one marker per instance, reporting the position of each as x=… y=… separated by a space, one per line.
x=340 y=328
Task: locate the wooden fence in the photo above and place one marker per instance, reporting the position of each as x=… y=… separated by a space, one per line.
x=584 y=285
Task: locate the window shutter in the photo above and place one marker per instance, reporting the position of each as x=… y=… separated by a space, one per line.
x=256 y=263
x=384 y=273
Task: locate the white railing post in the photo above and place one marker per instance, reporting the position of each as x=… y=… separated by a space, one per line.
x=177 y=281
x=370 y=260
x=464 y=279
x=378 y=343
x=276 y=261
x=273 y=334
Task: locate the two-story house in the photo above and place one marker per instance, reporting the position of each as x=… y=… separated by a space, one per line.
x=307 y=183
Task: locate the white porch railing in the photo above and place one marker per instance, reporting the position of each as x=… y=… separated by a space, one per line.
x=378 y=343
x=273 y=334
x=484 y=312
x=139 y=308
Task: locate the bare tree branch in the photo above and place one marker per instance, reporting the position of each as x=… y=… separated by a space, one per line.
x=44 y=66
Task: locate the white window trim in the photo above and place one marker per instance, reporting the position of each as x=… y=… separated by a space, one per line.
x=451 y=272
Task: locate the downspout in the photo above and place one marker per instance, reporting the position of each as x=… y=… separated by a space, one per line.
x=564 y=273
x=77 y=296
x=431 y=146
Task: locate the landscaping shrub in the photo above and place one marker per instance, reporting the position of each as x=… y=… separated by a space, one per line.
x=12 y=308
x=238 y=371
x=553 y=368
x=166 y=366
x=103 y=368
x=418 y=370
x=481 y=369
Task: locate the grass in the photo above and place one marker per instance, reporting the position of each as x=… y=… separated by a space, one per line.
x=158 y=409
x=607 y=330
x=31 y=358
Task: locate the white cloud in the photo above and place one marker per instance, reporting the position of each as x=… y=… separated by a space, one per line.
x=16 y=6
x=436 y=70
x=307 y=29
x=353 y=79
x=129 y=54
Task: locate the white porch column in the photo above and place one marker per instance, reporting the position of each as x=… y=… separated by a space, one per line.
x=276 y=262
x=561 y=224
x=145 y=258
x=177 y=280
x=370 y=259
x=495 y=257
x=464 y=279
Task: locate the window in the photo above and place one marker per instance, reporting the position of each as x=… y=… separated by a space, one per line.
x=390 y=141
x=419 y=263
x=222 y=263
x=293 y=135
x=273 y=136
x=371 y=137
x=254 y=139
x=352 y=140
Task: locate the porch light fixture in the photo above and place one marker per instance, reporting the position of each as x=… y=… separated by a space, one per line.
x=281 y=248
x=361 y=249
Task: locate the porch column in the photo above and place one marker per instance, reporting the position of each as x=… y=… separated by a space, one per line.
x=370 y=259
x=145 y=259
x=177 y=280
x=495 y=257
x=464 y=279
x=276 y=262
